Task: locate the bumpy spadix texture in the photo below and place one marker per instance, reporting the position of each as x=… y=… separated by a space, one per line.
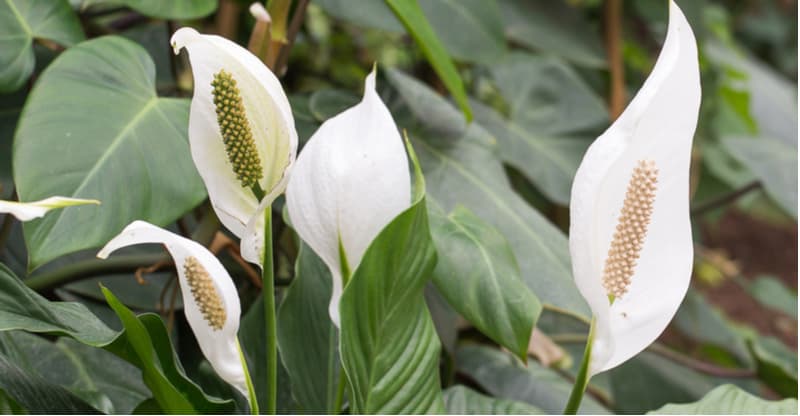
x=631 y=229
x=624 y=240
x=26 y=211
x=210 y=300
x=235 y=129
x=350 y=181
x=256 y=102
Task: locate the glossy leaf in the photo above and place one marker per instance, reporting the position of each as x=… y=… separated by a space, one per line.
x=478 y=275
x=730 y=400
x=460 y=400
x=22 y=22
x=22 y=308
x=307 y=338
x=505 y=377
x=409 y=12
x=173 y=9
x=94 y=126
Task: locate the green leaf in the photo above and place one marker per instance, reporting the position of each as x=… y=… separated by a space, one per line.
x=94 y=128
x=460 y=400
x=478 y=275
x=36 y=393
x=173 y=9
x=463 y=169
x=730 y=400
x=409 y=12
x=23 y=21
x=776 y=364
x=10 y=108
x=772 y=161
x=310 y=355
x=470 y=30
x=22 y=308
x=389 y=347
x=505 y=377
x=101 y=379
x=327 y=103
x=147 y=345
x=371 y=14
x=554 y=27
x=772 y=293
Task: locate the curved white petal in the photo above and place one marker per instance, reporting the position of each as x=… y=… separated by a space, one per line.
x=219 y=346
x=658 y=125
x=349 y=182
x=26 y=211
x=267 y=110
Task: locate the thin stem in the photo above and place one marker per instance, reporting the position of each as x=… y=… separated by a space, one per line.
x=725 y=199
x=339 y=400
x=268 y=293
x=294 y=28
x=582 y=379
x=251 y=391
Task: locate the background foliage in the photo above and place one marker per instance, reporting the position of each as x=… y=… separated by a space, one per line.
x=94 y=105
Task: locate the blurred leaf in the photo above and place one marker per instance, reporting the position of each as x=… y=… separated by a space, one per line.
x=772 y=293
x=36 y=394
x=10 y=108
x=172 y=9
x=430 y=108
x=505 y=377
x=22 y=308
x=310 y=355
x=773 y=162
x=22 y=21
x=409 y=12
x=462 y=169
x=445 y=318
x=554 y=27
x=146 y=344
x=478 y=275
x=776 y=364
x=327 y=103
x=373 y=14
x=93 y=126
x=730 y=399
x=98 y=377
x=471 y=30
x=461 y=400
x=142 y=297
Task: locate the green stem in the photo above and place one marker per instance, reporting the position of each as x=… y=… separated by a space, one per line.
x=337 y=403
x=268 y=293
x=582 y=380
x=251 y=391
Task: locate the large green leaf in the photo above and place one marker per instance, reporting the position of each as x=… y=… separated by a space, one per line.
x=460 y=400
x=553 y=27
x=776 y=364
x=470 y=30
x=373 y=14
x=505 y=377
x=307 y=338
x=409 y=12
x=101 y=379
x=730 y=400
x=146 y=344
x=479 y=276
x=772 y=293
x=172 y=9
x=22 y=308
x=22 y=21
x=389 y=347
x=462 y=169
x=93 y=127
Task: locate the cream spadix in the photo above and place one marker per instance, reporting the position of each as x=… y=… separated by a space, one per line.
x=630 y=232
x=241 y=133
x=349 y=182
x=210 y=300
x=26 y=211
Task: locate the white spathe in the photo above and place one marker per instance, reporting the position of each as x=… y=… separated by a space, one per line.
x=270 y=120
x=349 y=182
x=658 y=125
x=219 y=346
x=26 y=211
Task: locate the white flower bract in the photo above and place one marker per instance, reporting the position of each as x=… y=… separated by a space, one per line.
x=26 y=211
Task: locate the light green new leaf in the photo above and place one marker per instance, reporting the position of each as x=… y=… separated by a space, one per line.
x=478 y=275
x=389 y=347
x=409 y=12
x=22 y=308
x=22 y=21
x=310 y=355
x=460 y=400
x=94 y=128
x=505 y=377
x=730 y=400
x=172 y=9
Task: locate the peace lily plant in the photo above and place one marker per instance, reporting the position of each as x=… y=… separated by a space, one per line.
x=26 y=211
x=630 y=234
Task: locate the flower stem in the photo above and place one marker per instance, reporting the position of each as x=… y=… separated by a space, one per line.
x=251 y=391
x=582 y=380
x=268 y=293
x=339 y=400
